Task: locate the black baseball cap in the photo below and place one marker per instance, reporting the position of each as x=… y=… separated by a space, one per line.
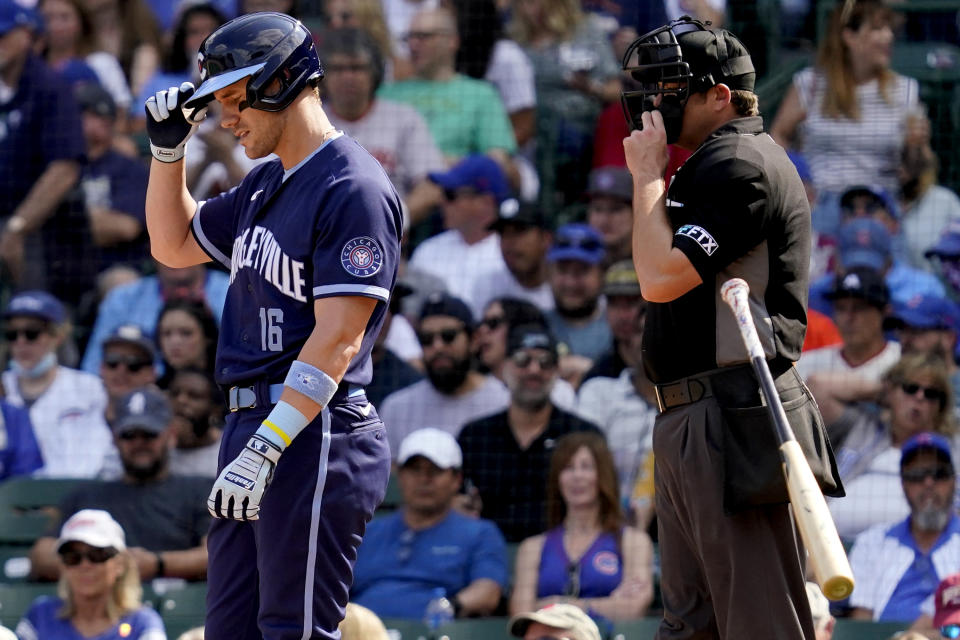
x=531 y=336
x=719 y=54
x=92 y=98
x=860 y=282
x=443 y=304
x=519 y=213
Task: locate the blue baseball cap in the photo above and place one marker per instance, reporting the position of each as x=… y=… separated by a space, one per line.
x=13 y=14
x=35 y=304
x=865 y=243
x=948 y=246
x=876 y=193
x=577 y=241
x=479 y=171
x=926 y=312
x=926 y=441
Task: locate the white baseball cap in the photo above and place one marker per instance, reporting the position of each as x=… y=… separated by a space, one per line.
x=439 y=447
x=94 y=527
x=563 y=616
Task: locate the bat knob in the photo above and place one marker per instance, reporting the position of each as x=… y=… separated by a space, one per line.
x=837 y=588
x=733 y=289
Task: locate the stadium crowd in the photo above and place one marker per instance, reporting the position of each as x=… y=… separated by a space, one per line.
x=509 y=373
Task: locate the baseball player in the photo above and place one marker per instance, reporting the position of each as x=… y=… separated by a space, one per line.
x=736 y=208
x=311 y=241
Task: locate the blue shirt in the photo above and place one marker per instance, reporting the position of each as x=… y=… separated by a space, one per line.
x=126 y=188
x=19 y=451
x=328 y=227
x=597 y=573
x=41 y=622
x=903 y=281
x=398 y=569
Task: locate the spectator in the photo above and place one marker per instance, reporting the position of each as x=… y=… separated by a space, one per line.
x=587 y=557
x=68 y=49
x=165 y=516
x=918 y=551
x=366 y=15
x=453 y=392
x=506 y=454
x=128 y=363
x=823 y=622
x=40 y=148
x=947 y=607
x=19 y=451
x=359 y=623
x=867 y=243
x=465 y=115
x=860 y=302
x=946 y=256
x=926 y=324
x=139 y=303
x=610 y=210
x=100 y=594
x=554 y=622
x=525 y=238
x=575 y=74
x=624 y=408
x=848 y=112
x=393 y=132
x=915 y=396
x=624 y=310
x=197 y=406
x=66 y=406
x=398 y=15
x=426 y=544
x=390 y=371
x=474 y=190
x=187 y=337
x=578 y=320
x=927 y=207
x=114 y=188
x=127 y=30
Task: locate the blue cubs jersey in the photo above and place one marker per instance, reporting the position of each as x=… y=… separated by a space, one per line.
x=329 y=226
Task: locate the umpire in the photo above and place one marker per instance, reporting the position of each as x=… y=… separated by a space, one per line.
x=731 y=559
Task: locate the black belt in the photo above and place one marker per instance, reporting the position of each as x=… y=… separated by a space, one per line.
x=738 y=380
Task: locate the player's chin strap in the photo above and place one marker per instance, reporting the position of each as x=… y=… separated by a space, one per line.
x=285 y=422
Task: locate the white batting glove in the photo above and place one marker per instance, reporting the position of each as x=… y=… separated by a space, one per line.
x=238 y=491
x=169 y=124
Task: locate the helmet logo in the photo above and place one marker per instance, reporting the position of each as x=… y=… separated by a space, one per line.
x=203 y=70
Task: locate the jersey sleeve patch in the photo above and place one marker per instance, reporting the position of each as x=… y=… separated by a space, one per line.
x=362 y=257
x=701 y=236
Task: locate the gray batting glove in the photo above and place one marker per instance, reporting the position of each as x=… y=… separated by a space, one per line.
x=238 y=491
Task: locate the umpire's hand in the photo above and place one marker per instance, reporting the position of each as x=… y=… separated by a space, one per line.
x=168 y=124
x=646 y=149
x=238 y=491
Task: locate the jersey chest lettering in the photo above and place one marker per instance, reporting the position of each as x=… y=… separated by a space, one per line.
x=257 y=248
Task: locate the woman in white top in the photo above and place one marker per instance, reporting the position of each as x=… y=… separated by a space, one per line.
x=848 y=113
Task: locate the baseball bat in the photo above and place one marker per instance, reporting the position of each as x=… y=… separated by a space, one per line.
x=817 y=529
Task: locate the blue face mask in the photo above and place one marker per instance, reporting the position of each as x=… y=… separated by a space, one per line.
x=46 y=363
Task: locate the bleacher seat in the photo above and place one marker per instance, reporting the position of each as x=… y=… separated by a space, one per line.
x=14 y=563
x=28 y=494
x=392 y=499
x=865 y=630
x=15 y=599
x=408 y=629
x=184 y=608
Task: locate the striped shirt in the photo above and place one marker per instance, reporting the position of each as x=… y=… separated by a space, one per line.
x=844 y=152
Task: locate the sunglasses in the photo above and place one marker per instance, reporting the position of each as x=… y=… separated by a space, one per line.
x=447 y=336
x=950 y=631
x=133 y=365
x=130 y=436
x=11 y=335
x=523 y=359
x=96 y=555
x=929 y=393
x=939 y=474
x=493 y=323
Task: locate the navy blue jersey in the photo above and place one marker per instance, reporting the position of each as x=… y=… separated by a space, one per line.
x=331 y=228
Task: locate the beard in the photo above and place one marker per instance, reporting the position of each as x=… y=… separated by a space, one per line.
x=144 y=473
x=447 y=380
x=583 y=310
x=931 y=518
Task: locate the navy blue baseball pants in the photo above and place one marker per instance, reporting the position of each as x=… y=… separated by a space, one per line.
x=287 y=575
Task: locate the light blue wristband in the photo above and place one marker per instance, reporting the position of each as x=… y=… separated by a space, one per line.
x=312 y=382
x=283 y=424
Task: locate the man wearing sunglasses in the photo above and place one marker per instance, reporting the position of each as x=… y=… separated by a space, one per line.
x=916 y=552
x=66 y=406
x=127 y=364
x=164 y=516
x=554 y=622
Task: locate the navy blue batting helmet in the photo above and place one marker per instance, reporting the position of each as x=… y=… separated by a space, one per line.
x=265 y=47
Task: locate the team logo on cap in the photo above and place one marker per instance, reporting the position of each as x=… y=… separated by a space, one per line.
x=362 y=257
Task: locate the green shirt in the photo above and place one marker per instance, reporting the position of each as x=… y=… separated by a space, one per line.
x=464 y=115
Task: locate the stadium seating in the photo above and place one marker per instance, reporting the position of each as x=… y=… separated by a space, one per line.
x=183 y=608
x=15 y=599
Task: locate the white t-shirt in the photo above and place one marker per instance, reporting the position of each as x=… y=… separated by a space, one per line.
x=201 y=461
x=448 y=257
x=829 y=359
x=924 y=222
x=68 y=420
x=420 y=405
x=111 y=77
x=511 y=72
x=500 y=283
x=873 y=497
x=398 y=137
x=402 y=339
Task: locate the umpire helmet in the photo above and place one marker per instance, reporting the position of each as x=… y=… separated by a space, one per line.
x=678 y=59
x=265 y=47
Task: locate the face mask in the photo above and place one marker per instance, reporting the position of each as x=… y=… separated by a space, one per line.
x=671 y=108
x=46 y=363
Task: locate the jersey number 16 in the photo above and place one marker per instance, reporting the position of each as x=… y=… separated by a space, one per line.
x=271 y=335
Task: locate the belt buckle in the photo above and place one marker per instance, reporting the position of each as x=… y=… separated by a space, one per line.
x=661 y=405
x=233 y=399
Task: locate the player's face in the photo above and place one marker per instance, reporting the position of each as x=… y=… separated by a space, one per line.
x=578 y=480
x=427 y=488
x=124 y=368
x=181 y=340
x=258 y=132
x=30 y=339
x=530 y=375
x=62 y=23
x=858 y=321
x=928 y=485
x=89 y=580
x=349 y=83
x=911 y=411
x=523 y=248
x=613 y=218
x=490 y=338
x=576 y=285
